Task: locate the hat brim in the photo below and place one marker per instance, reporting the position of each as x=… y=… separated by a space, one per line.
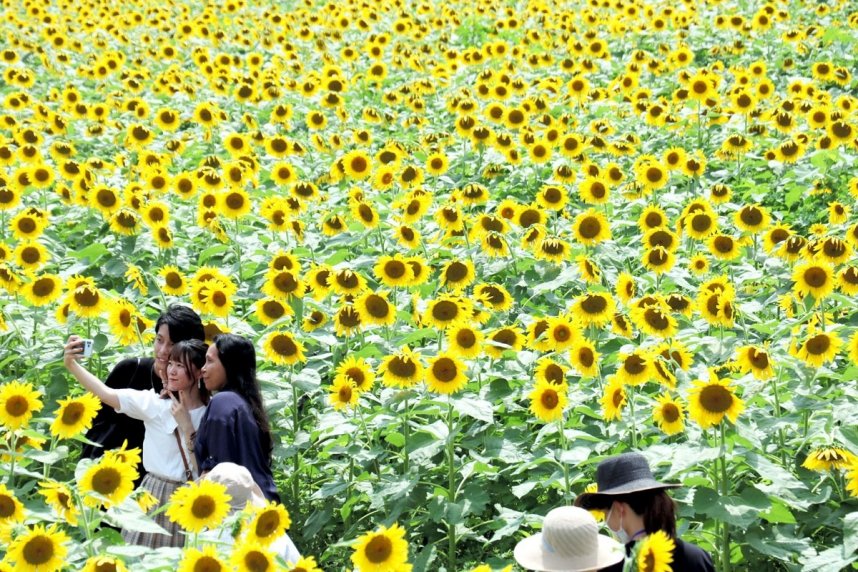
x=603 y=499
x=530 y=553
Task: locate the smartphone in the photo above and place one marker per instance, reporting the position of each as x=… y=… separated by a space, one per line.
x=87 y=348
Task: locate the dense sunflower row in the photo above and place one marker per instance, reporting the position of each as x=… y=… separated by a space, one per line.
x=548 y=231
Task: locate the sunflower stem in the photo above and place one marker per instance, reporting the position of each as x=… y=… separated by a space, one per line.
x=634 y=428
x=405 y=428
x=13 y=453
x=562 y=432
x=296 y=458
x=725 y=541
x=451 y=484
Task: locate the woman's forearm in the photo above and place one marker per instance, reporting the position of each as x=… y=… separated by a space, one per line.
x=106 y=394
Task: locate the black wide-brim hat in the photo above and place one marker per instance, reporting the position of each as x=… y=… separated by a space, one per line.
x=621 y=475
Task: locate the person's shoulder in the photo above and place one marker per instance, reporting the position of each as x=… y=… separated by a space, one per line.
x=693 y=555
x=226 y=400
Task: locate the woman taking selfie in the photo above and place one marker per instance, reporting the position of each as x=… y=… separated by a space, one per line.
x=235 y=427
x=169 y=421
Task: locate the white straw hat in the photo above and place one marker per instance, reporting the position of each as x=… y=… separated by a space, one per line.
x=239 y=485
x=569 y=542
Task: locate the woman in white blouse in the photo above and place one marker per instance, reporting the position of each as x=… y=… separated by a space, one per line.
x=166 y=457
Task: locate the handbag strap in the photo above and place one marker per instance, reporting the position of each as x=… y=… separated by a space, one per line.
x=189 y=474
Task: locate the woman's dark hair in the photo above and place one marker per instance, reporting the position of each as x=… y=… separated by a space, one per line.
x=656 y=507
x=191 y=354
x=182 y=322
x=239 y=362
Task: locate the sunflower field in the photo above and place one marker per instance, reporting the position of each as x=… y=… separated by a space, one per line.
x=479 y=245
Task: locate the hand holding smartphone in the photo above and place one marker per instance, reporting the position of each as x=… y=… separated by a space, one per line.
x=87 y=348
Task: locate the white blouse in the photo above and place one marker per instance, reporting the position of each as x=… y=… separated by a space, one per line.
x=160 y=450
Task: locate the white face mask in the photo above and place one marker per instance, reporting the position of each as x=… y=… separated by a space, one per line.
x=621 y=534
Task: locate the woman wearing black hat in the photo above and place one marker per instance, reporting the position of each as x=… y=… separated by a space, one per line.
x=637 y=505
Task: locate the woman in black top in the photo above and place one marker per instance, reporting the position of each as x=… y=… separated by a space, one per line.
x=637 y=505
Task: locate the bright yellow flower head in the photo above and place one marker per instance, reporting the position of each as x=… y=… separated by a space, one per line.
x=40 y=549
x=75 y=415
x=199 y=505
x=18 y=402
x=384 y=550
x=711 y=401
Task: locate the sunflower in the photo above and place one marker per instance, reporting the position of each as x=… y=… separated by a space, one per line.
x=755 y=360
x=75 y=415
x=199 y=505
x=447 y=311
x=824 y=459
x=752 y=218
x=269 y=523
x=11 y=509
x=124 y=455
x=817 y=348
x=495 y=296
x=584 y=357
x=30 y=255
x=402 y=369
x=614 y=399
x=195 y=560
x=18 y=402
x=457 y=275
x=358 y=371
x=655 y=553
x=847 y=280
x=654 y=321
x=282 y=348
x=346 y=320
x=547 y=401
x=39 y=549
x=59 y=497
x=814 y=278
x=711 y=401
x=595 y=190
x=626 y=288
x=594 y=308
x=635 y=368
x=107 y=483
x=445 y=374
x=668 y=413
x=126 y=322
x=651 y=175
x=551 y=372
x=253 y=557
x=283 y=285
x=591 y=227
x=503 y=339
x=658 y=260
x=393 y=271
x=269 y=310
x=347 y=282
x=305 y=564
x=381 y=551
x=103 y=563
x=465 y=341
x=343 y=393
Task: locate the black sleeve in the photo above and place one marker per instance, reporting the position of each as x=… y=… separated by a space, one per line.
x=110 y=428
x=691 y=558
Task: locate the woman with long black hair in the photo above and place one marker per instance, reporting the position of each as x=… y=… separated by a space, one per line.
x=235 y=427
x=638 y=505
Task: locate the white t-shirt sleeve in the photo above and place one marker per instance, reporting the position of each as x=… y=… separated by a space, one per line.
x=140 y=404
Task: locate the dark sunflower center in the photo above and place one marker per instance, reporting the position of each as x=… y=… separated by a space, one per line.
x=549 y=399
x=348 y=317
x=379 y=549
x=106 y=481
x=267 y=523
x=818 y=345
x=716 y=398
x=759 y=359
x=505 y=336
x=661 y=238
x=7 y=506
x=465 y=338
x=815 y=277
x=656 y=319
x=617 y=398
x=701 y=222
x=594 y=304
x=654 y=220
x=401 y=367
x=38 y=550
x=586 y=357
x=445 y=311
x=203 y=507
x=751 y=216
x=284 y=345
x=444 y=370
x=86 y=297
x=554 y=374
x=72 y=413
x=17 y=405
x=590 y=227
x=529 y=217
x=670 y=412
